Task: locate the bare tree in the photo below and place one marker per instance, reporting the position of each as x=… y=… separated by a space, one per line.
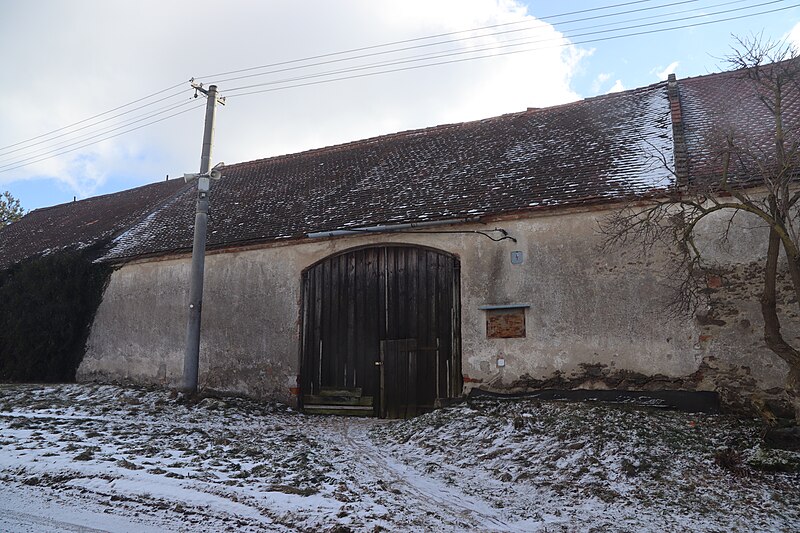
x=749 y=177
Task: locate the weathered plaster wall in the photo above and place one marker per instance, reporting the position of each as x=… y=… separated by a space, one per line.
x=596 y=320
x=585 y=307
x=731 y=325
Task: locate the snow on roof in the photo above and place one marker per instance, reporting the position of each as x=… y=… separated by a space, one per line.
x=585 y=152
x=596 y=150
x=80 y=224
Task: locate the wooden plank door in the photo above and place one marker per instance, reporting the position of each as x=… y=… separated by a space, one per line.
x=393 y=305
x=398 y=367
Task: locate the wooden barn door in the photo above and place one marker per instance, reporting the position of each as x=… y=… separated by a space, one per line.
x=384 y=320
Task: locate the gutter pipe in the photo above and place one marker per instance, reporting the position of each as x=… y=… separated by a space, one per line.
x=386 y=228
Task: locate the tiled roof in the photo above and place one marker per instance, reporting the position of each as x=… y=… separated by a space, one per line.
x=718 y=105
x=584 y=152
x=81 y=224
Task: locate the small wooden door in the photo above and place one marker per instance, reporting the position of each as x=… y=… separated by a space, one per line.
x=387 y=320
x=406 y=393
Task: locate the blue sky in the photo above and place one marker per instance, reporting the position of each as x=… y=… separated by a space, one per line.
x=697 y=50
x=74 y=59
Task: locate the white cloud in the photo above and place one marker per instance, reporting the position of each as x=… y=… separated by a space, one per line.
x=617 y=87
x=663 y=74
x=793 y=37
x=598 y=82
x=78 y=58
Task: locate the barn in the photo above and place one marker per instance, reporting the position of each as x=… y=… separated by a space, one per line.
x=393 y=275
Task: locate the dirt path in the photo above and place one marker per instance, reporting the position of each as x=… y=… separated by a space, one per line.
x=445 y=504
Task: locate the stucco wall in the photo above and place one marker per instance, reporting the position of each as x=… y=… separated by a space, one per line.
x=595 y=319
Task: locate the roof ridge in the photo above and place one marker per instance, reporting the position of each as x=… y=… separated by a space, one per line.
x=101 y=196
x=434 y=129
x=361 y=142
x=734 y=71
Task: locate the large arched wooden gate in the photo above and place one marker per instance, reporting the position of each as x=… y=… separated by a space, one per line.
x=385 y=321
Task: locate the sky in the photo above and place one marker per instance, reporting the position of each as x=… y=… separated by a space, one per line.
x=68 y=63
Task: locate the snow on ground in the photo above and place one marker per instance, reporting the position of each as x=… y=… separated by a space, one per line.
x=100 y=457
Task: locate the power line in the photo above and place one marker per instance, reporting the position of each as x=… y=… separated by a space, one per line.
x=451 y=53
x=721 y=4
x=94 y=116
x=4 y=169
x=94 y=135
x=536 y=22
x=588 y=41
x=706 y=23
x=26 y=144
x=503 y=46
x=417 y=39
x=680 y=19
x=130 y=121
x=56 y=150
x=343 y=52
x=5 y=149
x=560 y=15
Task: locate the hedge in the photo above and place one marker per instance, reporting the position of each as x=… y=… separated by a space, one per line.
x=47 y=305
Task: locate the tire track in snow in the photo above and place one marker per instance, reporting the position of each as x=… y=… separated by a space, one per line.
x=430 y=494
x=27 y=522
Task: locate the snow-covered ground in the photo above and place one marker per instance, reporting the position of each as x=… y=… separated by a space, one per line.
x=98 y=457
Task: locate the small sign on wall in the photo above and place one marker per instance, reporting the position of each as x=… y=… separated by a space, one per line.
x=505 y=323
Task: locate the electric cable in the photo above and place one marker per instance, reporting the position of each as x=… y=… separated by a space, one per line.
x=422 y=57
x=559 y=15
x=416 y=39
x=537 y=21
x=106 y=129
x=450 y=53
x=94 y=135
x=587 y=41
x=94 y=116
x=3 y=169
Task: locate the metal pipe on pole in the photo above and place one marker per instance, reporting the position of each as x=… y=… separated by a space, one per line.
x=191 y=360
